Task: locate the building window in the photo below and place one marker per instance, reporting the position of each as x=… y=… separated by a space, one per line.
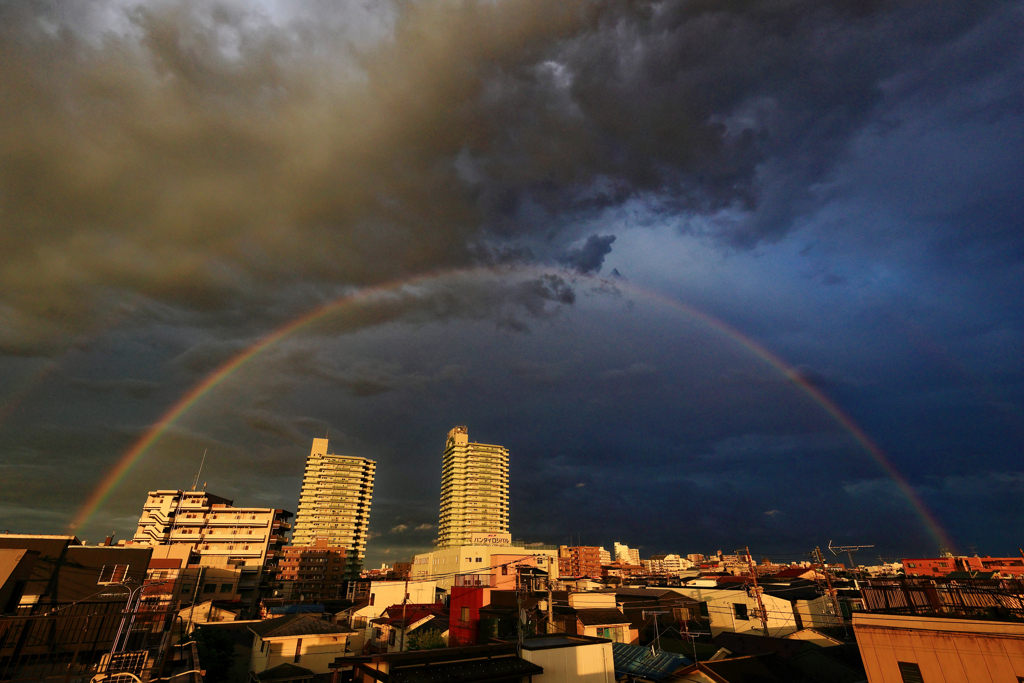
x=210 y=588
x=465 y=614
x=372 y=596
x=911 y=672
x=739 y=610
x=391 y=637
x=225 y=588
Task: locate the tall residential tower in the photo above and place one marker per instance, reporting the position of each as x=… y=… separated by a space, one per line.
x=474 y=490
x=335 y=503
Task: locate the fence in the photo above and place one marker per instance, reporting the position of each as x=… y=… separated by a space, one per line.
x=991 y=600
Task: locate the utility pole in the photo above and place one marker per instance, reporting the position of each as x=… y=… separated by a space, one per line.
x=831 y=591
x=551 y=609
x=405 y=626
x=757 y=593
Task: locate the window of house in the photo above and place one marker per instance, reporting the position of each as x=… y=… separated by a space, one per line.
x=186 y=587
x=372 y=596
x=910 y=672
x=739 y=610
x=210 y=588
x=225 y=588
x=391 y=637
x=465 y=614
x=376 y=634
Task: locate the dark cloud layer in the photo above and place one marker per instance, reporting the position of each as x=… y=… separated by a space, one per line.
x=198 y=154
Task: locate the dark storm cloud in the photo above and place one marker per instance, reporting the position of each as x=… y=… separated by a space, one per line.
x=200 y=155
x=590 y=257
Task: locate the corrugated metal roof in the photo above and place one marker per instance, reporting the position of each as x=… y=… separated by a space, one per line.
x=639 y=660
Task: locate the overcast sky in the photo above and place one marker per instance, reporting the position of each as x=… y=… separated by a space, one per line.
x=547 y=217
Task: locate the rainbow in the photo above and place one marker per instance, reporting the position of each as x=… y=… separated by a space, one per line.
x=117 y=473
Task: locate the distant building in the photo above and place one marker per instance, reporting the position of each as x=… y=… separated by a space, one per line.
x=577 y=561
x=606 y=557
x=623 y=553
x=621 y=570
x=666 y=565
x=311 y=573
x=1005 y=567
x=335 y=503
x=216 y=534
x=474 y=491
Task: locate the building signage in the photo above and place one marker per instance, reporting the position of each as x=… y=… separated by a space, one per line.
x=496 y=540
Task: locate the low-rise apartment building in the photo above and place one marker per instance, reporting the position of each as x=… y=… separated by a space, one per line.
x=217 y=534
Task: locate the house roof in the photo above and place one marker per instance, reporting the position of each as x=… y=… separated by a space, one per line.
x=285 y=672
x=638 y=660
x=647 y=593
x=749 y=644
x=297 y=609
x=793 y=573
x=295 y=625
x=601 y=617
x=494 y=669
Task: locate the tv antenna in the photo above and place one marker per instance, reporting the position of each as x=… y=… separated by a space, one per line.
x=203 y=461
x=849 y=550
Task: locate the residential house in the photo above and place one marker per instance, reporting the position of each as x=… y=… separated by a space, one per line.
x=732 y=607
x=301 y=639
x=391 y=632
x=595 y=615
x=383 y=594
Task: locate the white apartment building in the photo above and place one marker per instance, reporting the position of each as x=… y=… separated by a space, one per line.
x=623 y=553
x=217 y=534
x=335 y=503
x=474 y=490
x=444 y=564
x=671 y=565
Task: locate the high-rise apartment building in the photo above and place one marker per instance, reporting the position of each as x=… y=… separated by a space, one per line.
x=335 y=503
x=474 y=490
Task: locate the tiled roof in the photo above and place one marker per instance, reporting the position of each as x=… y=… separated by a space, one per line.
x=497 y=668
x=638 y=660
x=285 y=672
x=296 y=625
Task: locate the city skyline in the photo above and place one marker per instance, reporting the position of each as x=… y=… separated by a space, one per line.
x=715 y=274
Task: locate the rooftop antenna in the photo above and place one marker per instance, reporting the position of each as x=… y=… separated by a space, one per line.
x=196 y=482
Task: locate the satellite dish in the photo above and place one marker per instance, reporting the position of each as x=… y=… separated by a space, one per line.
x=522 y=616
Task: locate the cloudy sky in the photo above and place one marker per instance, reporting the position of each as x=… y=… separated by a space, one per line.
x=589 y=230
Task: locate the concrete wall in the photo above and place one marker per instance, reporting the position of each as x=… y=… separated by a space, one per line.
x=581 y=664
x=945 y=650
